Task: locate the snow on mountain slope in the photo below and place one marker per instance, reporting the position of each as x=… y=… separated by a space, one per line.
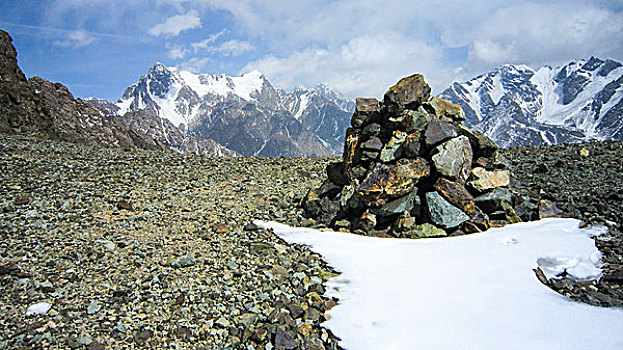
x=516 y=105
x=268 y=121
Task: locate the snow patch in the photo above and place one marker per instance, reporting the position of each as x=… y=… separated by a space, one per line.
x=468 y=292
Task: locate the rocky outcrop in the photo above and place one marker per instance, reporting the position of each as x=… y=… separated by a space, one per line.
x=411 y=169
x=37 y=106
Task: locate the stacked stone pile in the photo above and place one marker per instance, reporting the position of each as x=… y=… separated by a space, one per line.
x=410 y=169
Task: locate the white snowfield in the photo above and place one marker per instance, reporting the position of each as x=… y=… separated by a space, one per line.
x=470 y=292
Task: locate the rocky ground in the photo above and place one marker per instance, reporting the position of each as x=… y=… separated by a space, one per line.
x=155 y=250
x=142 y=249
x=583 y=181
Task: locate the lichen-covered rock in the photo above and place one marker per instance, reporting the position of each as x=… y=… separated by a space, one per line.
x=446 y=110
x=424 y=230
x=456 y=194
x=393 y=180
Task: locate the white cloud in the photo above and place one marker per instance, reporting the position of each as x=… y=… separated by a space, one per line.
x=173 y=26
x=76 y=39
x=305 y=34
x=234 y=47
x=206 y=42
x=538 y=34
x=365 y=65
x=195 y=64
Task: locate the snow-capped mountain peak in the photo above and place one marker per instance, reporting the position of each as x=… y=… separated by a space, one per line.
x=209 y=105
x=516 y=105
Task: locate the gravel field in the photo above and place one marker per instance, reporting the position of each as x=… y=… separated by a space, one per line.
x=139 y=249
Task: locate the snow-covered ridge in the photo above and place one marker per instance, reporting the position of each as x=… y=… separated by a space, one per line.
x=516 y=105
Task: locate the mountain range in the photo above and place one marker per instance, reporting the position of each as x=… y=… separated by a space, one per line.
x=175 y=110
x=516 y=105
x=245 y=114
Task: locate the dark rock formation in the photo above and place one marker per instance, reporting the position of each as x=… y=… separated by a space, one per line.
x=410 y=169
x=37 y=106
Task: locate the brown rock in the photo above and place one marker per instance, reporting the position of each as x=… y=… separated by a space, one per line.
x=21 y=199
x=548 y=209
x=456 y=194
x=439 y=131
x=485 y=179
x=408 y=93
x=367 y=105
x=351 y=153
x=445 y=110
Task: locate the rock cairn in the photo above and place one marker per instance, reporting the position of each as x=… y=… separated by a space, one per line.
x=410 y=169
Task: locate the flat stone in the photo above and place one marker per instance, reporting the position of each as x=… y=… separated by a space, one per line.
x=443 y=213
x=408 y=92
x=373 y=144
x=456 y=194
x=484 y=179
x=393 y=180
x=393 y=149
x=454 y=159
x=439 y=131
x=367 y=105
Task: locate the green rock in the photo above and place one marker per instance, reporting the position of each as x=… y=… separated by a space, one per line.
x=415 y=120
x=443 y=213
x=492 y=201
x=393 y=148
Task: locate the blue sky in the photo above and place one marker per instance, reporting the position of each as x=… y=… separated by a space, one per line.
x=358 y=47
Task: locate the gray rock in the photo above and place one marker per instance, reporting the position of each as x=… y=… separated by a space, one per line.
x=93 y=308
x=400 y=205
x=454 y=159
x=443 y=213
x=439 y=131
x=183 y=261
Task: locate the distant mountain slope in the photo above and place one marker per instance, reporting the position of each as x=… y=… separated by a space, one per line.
x=246 y=114
x=37 y=106
x=516 y=105
x=162 y=130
